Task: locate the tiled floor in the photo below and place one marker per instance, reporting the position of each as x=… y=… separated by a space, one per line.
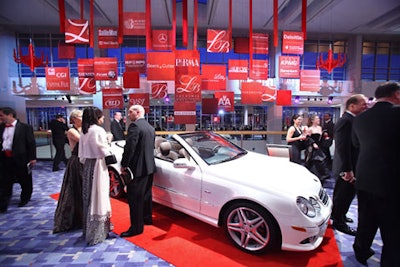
x=26 y=237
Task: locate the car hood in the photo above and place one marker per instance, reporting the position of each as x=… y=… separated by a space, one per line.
x=262 y=171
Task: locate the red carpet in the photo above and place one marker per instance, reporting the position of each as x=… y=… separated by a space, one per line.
x=184 y=241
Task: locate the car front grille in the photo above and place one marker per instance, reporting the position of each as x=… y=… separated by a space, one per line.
x=323 y=195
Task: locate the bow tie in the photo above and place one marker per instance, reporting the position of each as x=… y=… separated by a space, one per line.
x=9 y=125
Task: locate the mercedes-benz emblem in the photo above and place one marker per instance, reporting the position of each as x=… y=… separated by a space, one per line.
x=162 y=38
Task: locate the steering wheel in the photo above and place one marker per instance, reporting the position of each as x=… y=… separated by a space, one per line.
x=216 y=148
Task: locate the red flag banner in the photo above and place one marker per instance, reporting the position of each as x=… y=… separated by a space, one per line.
x=185 y=112
x=226 y=101
x=135 y=62
x=57 y=78
x=284 y=98
x=66 y=51
x=209 y=106
x=159 y=90
x=310 y=80
x=108 y=37
x=188 y=88
x=160 y=66
x=238 y=69
x=76 y=31
x=260 y=44
x=251 y=93
x=87 y=83
x=218 y=41
x=213 y=77
x=113 y=98
x=106 y=68
x=162 y=40
x=259 y=70
x=289 y=66
x=268 y=93
x=187 y=62
x=131 y=79
x=142 y=99
x=134 y=23
x=293 y=43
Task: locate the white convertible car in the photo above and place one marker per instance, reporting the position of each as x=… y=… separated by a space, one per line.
x=262 y=202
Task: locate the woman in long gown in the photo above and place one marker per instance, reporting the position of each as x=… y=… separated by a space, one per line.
x=93 y=147
x=295 y=137
x=68 y=214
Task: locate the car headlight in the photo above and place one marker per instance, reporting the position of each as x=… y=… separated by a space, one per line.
x=309 y=207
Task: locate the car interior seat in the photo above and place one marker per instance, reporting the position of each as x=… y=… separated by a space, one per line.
x=166 y=153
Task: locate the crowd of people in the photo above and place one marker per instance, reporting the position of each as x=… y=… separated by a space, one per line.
x=364 y=164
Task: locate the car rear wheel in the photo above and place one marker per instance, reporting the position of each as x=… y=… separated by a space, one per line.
x=116 y=185
x=251 y=228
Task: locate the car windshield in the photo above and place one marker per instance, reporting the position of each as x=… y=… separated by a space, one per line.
x=212 y=147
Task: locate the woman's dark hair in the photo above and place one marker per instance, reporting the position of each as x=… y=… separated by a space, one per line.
x=91 y=115
x=294 y=117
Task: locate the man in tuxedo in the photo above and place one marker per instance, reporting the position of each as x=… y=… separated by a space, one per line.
x=17 y=156
x=116 y=127
x=344 y=164
x=58 y=129
x=376 y=134
x=139 y=157
x=327 y=135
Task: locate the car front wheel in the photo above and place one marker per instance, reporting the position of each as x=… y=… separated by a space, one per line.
x=116 y=185
x=251 y=228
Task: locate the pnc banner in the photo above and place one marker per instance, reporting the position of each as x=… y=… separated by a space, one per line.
x=289 y=66
x=218 y=41
x=213 y=77
x=293 y=43
x=134 y=23
x=113 y=98
x=238 y=69
x=160 y=66
x=251 y=93
x=162 y=40
x=106 y=68
x=135 y=62
x=188 y=88
x=226 y=101
x=142 y=99
x=76 y=31
x=57 y=78
x=108 y=37
x=185 y=112
x=87 y=83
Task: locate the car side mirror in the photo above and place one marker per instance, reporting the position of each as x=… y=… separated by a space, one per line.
x=183 y=163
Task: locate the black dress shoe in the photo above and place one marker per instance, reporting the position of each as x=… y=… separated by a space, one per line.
x=148 y=222
x=363 y=257
x=348 y=220
x=129 y=234
x=344 y=228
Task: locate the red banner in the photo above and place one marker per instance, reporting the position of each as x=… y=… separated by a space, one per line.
x=209 y=106
x=142 y=99
x=106 y=68
x=66 y=51
x=134 y=23
x=162 y=40
x=113 y=98
x=238 y=69
x=260 y=44
x=131 y=79
x=268 y=93
x=213 y=77
x=259 y=70
x=87 y=83
x=289 y=66
x=226 y=101
x=76 y=31
x=135 y=62
x=159 y=90
x=310 y=80
x=108 y=37
x=188 y=88
x=185 y=113
x=251 y=93
x=160 y=66
x=284 y=98
x=293 y=43
x=57 y=78
x=187 y=62
x=218 y=41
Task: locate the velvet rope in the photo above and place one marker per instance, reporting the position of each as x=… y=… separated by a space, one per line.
x=61 y=10
x=91 y=24
x=184 y=22
x=173 y=24
x=120 y=21
x=251 y=33
x=275 y=23
x=195 y=19
x=148 y=25
x=304 y=18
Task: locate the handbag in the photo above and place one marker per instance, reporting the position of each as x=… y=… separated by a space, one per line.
x=110 y=159
x=127 y=176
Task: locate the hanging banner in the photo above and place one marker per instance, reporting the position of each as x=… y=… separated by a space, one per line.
x=76 y=31
x=293 y=43
x=209 y=106
x=226 y=101
x=218 y=41
x=106 y=68
x=213 y=77
x=162 y=40
x=310 y=80
x=134 y=23
x=185 y=113
x=188 y=88
x=284 y=98
x=113 y=98
x=135 y=62
x=251 y=93
x=260 y=44
x=57 y=78
x=238 y=69
x=131 y=79
x=142 y=99
x=107 y=37
x=259 y=70
x=87 y=83
x=268 y=93
x=159 y=90
x=66 y=51
x=187 y=62
x=289 y=66
x=160 y=66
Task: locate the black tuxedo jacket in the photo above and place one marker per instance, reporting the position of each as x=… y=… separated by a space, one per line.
x=117 y=131
x=345 y=156
x=139 y=149
x=24 y=145
x=376 y=132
